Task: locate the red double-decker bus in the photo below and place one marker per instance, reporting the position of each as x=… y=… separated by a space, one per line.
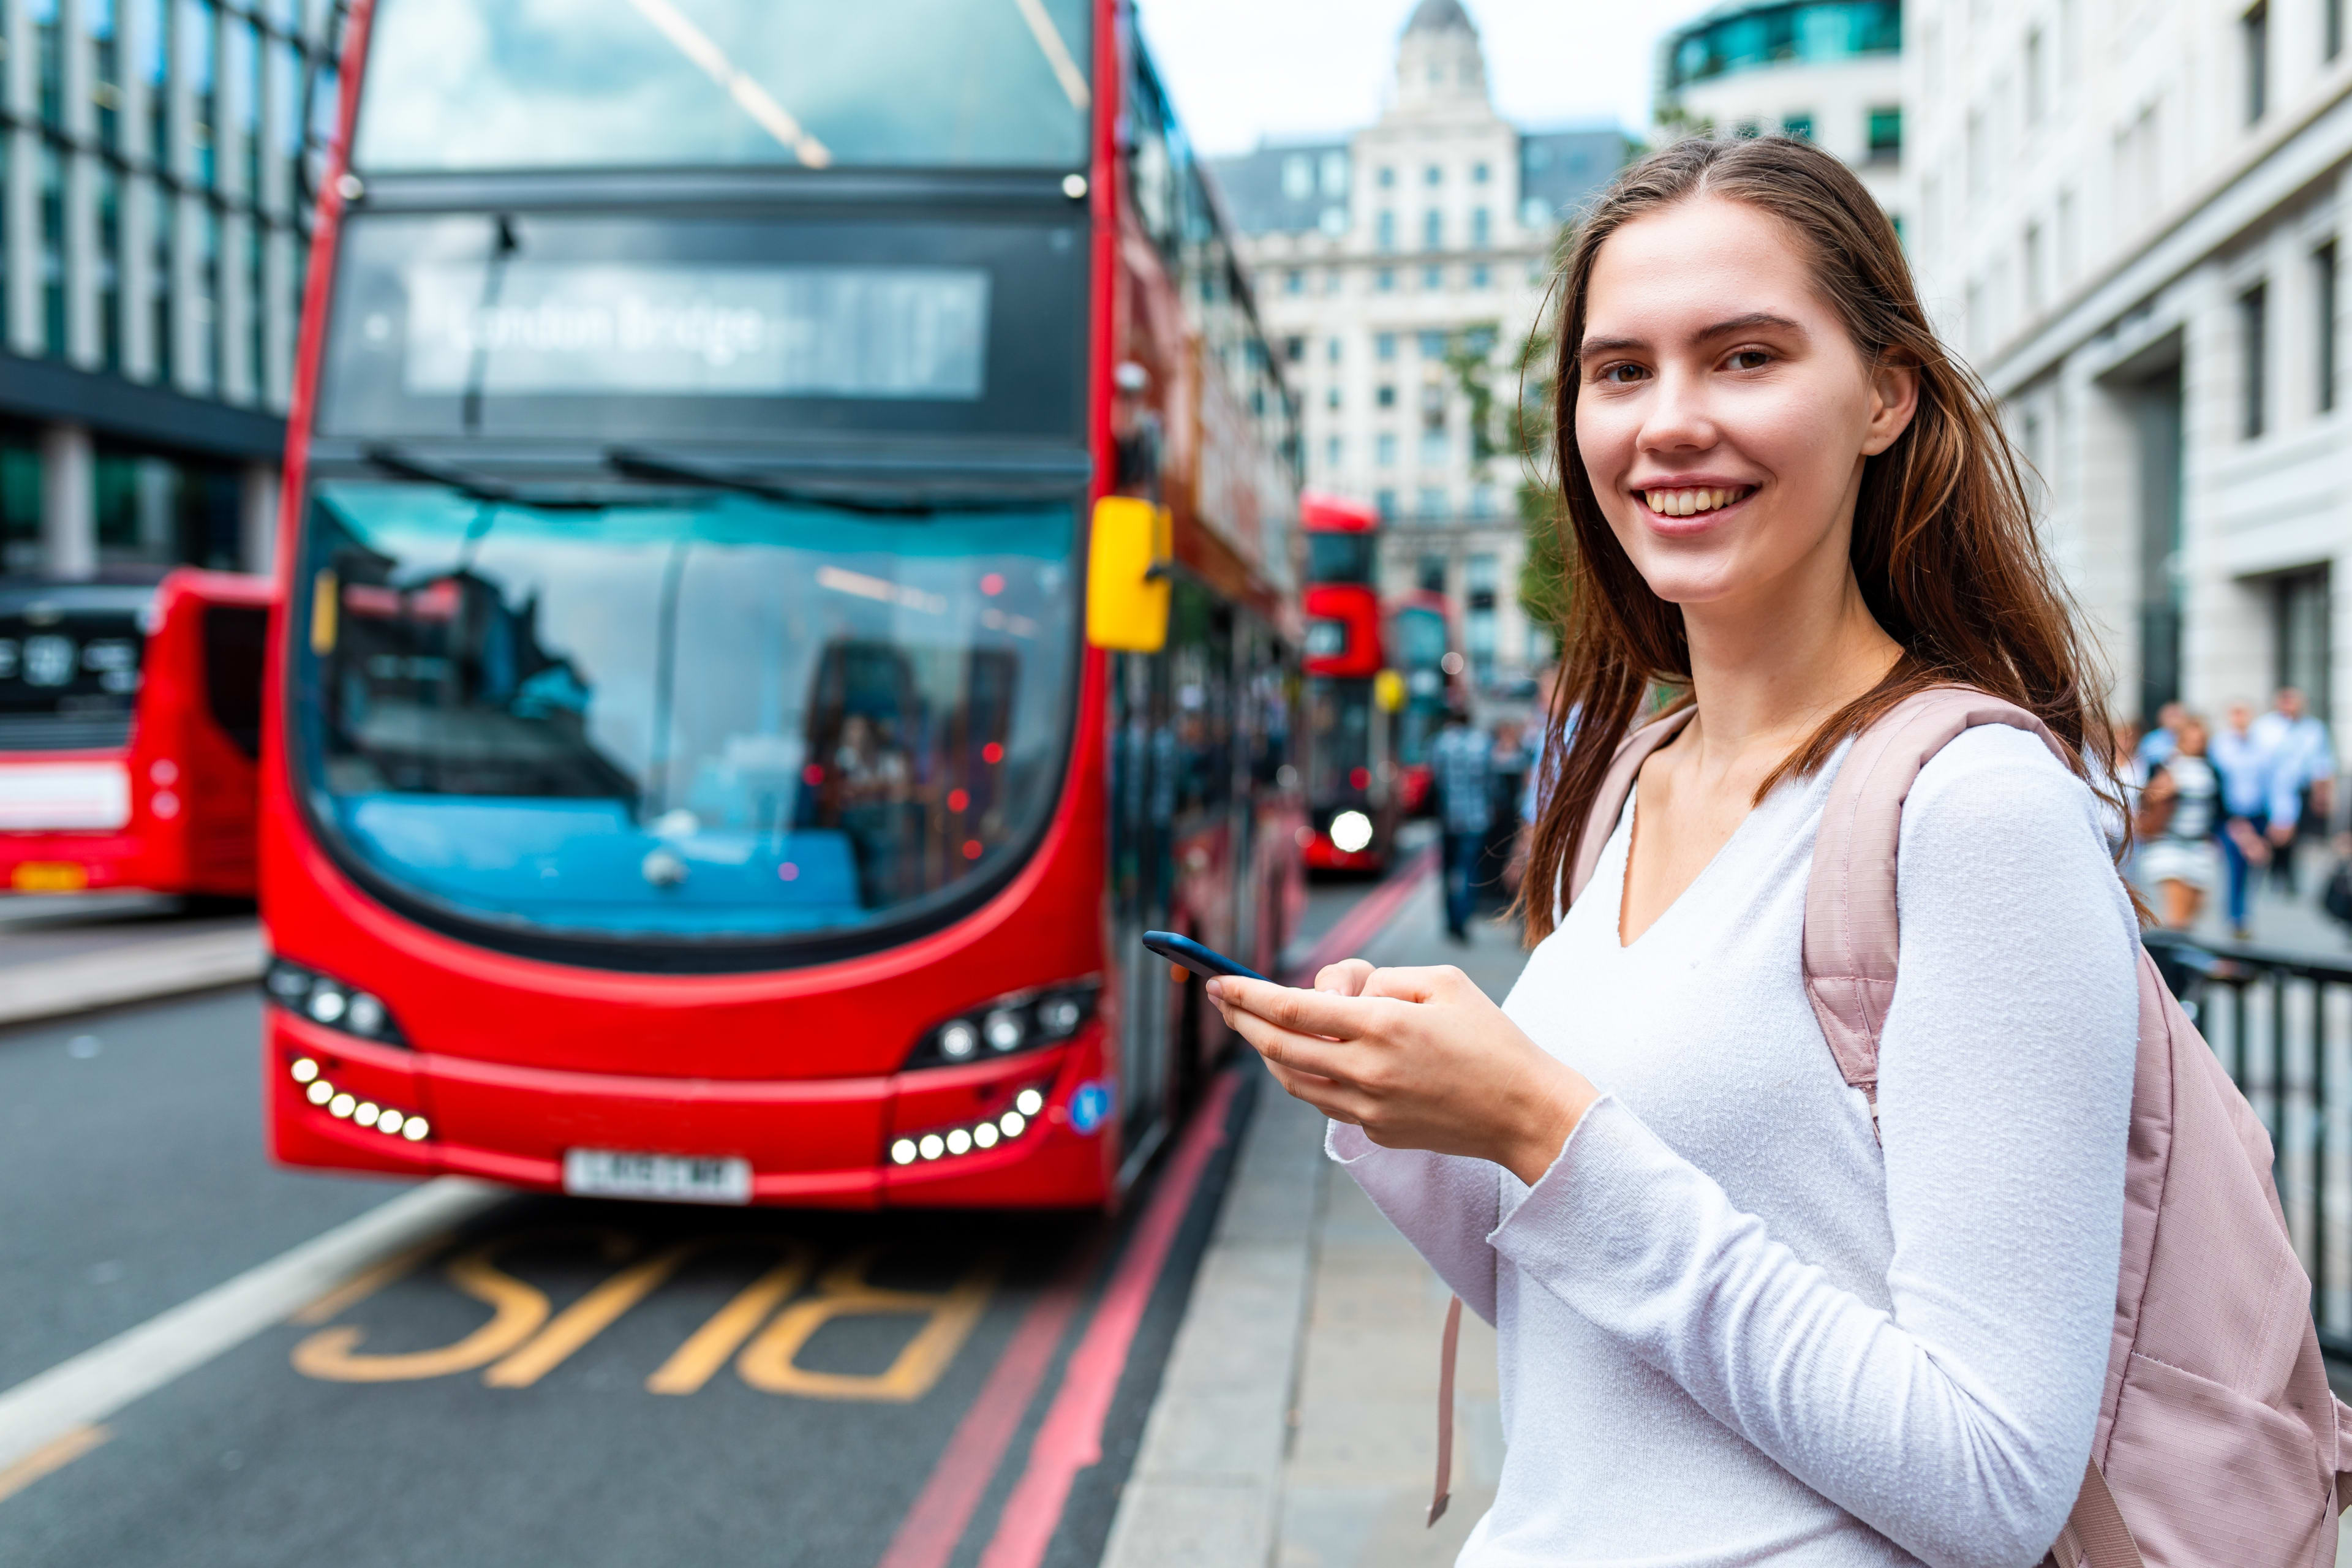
x=130 y=729
x=789 y=553
x=1353 y=695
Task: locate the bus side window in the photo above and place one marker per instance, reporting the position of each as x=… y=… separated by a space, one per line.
x=236 y=638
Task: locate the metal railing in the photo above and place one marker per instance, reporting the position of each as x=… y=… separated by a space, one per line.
x=2282 y=1024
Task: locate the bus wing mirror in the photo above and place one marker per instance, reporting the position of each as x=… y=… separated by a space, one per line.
x=1387 y=691
x=1127 y=575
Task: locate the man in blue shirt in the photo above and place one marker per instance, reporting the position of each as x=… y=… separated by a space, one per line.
x=1461 y=766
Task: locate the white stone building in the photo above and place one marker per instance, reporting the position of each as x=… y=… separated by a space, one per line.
x=1830 y=70
x=2127 y=215
x=1375 y=256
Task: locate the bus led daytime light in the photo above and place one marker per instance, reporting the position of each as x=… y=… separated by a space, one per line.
x=1013 y=1122
x=932 y=1146
x=320 y=1092
x=416 y=1131
x=342 y=1107
x=1028 y=1102
x=365 y=1114
x=903 y=1151
x=985 y=1135
x=1351 y=831
x=304 y=1069
x=959 y=1142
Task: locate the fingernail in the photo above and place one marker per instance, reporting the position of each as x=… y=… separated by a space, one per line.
x=1216 y=989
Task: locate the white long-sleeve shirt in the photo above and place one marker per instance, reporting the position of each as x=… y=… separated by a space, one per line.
x=1732 y=1329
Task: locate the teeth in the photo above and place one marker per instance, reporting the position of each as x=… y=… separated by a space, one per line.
x=1683 y=502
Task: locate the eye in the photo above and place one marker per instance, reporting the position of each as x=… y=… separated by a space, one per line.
x=1621 y=373
x=1750 y=359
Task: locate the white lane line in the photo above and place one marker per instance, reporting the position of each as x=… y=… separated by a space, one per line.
x=135 y=972
x=100 y=1381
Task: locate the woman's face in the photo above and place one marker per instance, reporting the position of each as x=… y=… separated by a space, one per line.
x=1722 y=412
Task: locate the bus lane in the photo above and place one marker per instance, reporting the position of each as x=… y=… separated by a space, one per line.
x=587 y=1382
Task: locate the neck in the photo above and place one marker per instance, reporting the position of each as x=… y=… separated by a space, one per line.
x=1769 y=667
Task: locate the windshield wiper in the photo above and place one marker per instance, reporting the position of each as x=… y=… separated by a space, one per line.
x=477 y=486
x=652 y=466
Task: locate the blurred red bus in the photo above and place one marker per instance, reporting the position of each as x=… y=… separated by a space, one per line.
x=788 y=536
x=1353 y=695
x=130 y=726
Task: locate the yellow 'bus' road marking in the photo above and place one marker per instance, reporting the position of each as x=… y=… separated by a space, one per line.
x=693 y=1364
x=367 y=1282
x=517 y=1311
x=49 y=1458
x=586 y=1318
x=769 y=1363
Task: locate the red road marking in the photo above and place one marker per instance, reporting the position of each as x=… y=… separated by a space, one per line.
x=1366 y=920
x=927 y=1536
x=1071 y=1438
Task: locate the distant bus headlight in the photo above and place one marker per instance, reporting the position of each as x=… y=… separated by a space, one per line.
x=327 y=1001
x=1351 y=831
x=958 y=1041
x=1004 y=1030
x=1059 y=1016
x=366 y=1014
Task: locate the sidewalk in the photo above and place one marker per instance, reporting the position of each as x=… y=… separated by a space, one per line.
x=1295 y=1420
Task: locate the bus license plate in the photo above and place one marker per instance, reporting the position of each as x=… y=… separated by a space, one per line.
x=666 y=1178
x=49 y=877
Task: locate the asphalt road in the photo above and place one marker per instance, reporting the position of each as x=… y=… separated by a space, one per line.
x=558 y=1382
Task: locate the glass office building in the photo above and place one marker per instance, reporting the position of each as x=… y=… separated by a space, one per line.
x=152 y=237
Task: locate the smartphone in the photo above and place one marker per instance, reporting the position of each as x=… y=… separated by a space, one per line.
x=1205 y=962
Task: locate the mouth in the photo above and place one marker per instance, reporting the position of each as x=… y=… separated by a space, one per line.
x=1693 y=500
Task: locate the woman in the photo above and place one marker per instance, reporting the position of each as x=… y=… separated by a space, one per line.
x=2178 y=810
x=1734 y=1328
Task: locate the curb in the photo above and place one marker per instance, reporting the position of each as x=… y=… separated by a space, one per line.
x=142 y=972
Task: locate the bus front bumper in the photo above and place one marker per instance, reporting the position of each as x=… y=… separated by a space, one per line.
x=822 y=1143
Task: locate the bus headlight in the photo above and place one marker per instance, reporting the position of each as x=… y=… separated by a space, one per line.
x=1023 y=1021
x=323 y=999
x=1351 y=831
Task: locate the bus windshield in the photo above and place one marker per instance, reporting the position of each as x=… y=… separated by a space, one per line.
x=69 y=659
x=689 y=714
x=1339 y=736
x=497 y=84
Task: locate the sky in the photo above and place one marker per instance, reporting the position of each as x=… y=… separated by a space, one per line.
x=1239 y=69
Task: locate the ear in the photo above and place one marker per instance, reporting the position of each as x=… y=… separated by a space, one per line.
x=1894 y=399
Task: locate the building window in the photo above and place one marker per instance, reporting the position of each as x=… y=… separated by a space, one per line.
x=1434 y=447
x=1293 y=350
x=1480 y=278
x=199 y=47
x=2301 y=624
x=1433 y=278
x=50 y=65
x=1331 y=279
x=1479 y=174
x=1385 y=345
x=1433 y=230
x=110 y=266
x=2254 y=38
x=1388 y=176
x=1384 y=231
x=1429 y=573
x=2254 y=330
x=1432 y=176
x=1335 y=221
x=2037 y=85
x=1299 y=176
x=1385 y=279
x=1479 y=578
x=106 y=75
x=1428 y=502
x=2034 y=291
x=1332 y=449
x=1294 y=282
x=1384 y=449
x=1431 y=344
x=2323 y=309
x=1885 y=133
x=1384 y=502
x=53 y=248
x=1331 y=399
x=1482 y=501
x=1797 y=126
x=1331 y=351
x=1482 y=228
x=1749 y=130
x=1384 y=397
x=1335 y=174
x=2331 y=28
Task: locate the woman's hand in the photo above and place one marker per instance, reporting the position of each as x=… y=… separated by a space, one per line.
x=1419 y=1058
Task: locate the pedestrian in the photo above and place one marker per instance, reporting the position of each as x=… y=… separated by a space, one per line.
x=2180 y=811
x=2164 y=739
x=1732 y=1325
x=2305 y=764
x=1460 y=766
x=2247 y=767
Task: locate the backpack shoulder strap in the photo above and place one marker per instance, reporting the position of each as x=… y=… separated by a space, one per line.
x=1850 y=915
x=1615 y=786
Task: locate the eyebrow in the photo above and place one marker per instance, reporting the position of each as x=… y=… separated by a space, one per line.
x=1753 y=321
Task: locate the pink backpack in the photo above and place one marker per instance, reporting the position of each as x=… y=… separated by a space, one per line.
x=2218 y=1444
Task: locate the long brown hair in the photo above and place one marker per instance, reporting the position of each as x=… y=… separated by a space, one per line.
x=1944 y=549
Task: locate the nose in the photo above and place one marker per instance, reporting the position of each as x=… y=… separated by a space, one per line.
x=1678 y=418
